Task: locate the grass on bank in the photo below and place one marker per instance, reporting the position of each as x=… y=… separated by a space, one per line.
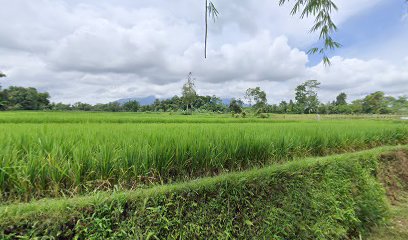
x=394 y=176
x=333 y=197
x=397 y=227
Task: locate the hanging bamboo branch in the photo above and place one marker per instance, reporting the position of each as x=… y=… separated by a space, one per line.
x=206 y=28
x=320 y=9
x=211 y=11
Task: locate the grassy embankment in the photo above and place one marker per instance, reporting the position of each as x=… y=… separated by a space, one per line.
x=333 y=197
x=394 y=176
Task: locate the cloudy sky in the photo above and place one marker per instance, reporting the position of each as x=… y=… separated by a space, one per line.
x=98 y=51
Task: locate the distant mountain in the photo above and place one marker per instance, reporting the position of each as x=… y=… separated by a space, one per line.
x=143 y=101
x=226 y=101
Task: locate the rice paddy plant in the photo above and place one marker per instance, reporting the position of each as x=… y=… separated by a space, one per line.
x=54 y=159
x=126 y=117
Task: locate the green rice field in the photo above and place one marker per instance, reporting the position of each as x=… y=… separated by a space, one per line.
x=65 y=154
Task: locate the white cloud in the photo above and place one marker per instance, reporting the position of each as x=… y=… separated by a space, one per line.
x=100 y=51
x=261 y=58
x=358 y=77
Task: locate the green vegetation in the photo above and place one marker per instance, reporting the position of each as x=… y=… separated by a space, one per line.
x=334 y=197
x=394 y=177
x=256 y=96
x=306 y=102
x=19 y=98
x=206 y=167
x=397 y=227
x=189 y=94
x=306 y=97
x=149 y=175
x=153 y=117
x=52 y=159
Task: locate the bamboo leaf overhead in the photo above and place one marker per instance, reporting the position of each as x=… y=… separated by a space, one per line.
x=321 y=10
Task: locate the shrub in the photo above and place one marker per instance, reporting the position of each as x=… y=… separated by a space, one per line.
x=263 y=115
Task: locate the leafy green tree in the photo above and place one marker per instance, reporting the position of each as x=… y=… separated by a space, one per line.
x=273 y=109
x=341 y=99
x=189 y=93
x=291 y=107
x=339 y=106
x=176 y=103
x=344 y=109
x=200 y=103
x=248 y=96
x=357 y=106
x=215 y=104
x=324 y=108
x=20 y=98
x=306 y=97
x=375 y=103
x=79 y=106
x=257 y=96
x=157 y=105
x=43 y=100
x=3 y=104
x=209 y=103
x=398 y=105
x=131 y=106
x=108 y=107
x=61 y=107
x=235 y=105
x=283 y=107
x=146 y=108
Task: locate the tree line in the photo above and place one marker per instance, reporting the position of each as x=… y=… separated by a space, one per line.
x=307 y=102
x=20 y=98
x=254 y=101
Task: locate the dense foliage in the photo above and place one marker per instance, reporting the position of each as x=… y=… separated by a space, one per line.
x=306 y=102
x=20 y=98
